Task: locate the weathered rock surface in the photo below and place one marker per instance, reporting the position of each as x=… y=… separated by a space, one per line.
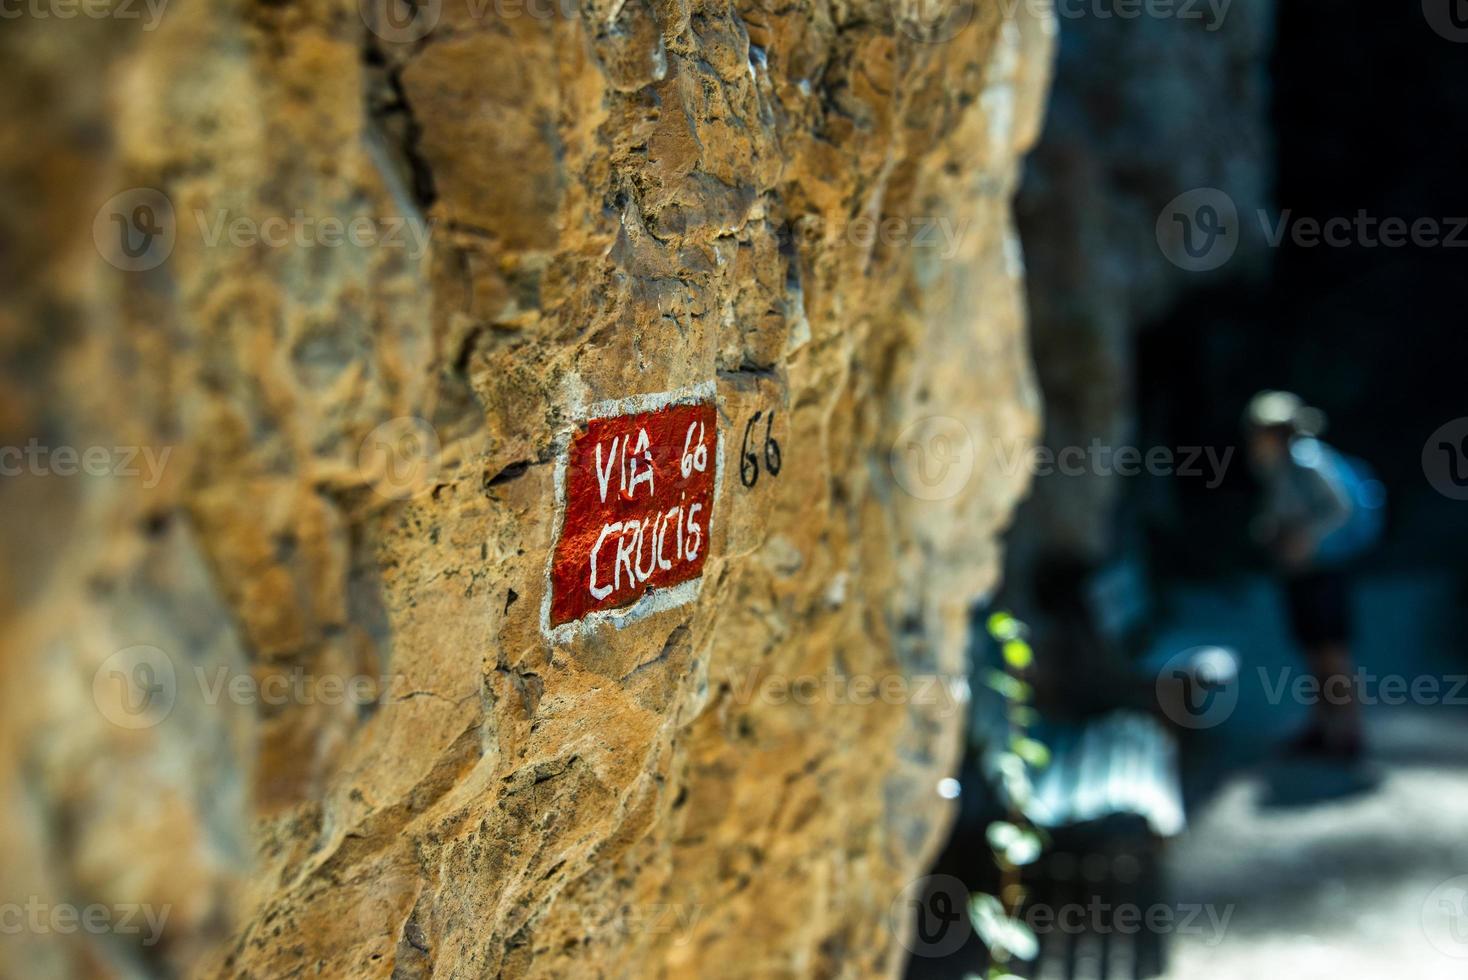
x=323 y=461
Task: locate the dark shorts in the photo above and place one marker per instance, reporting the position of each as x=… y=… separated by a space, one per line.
x=1319 y=604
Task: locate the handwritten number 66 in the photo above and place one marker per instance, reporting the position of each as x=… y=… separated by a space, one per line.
x=749 y=461
x=698 y=459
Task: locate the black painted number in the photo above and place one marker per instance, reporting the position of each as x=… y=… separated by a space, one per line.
x=749 y=460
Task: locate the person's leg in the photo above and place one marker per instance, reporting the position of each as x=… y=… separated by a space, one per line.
x=1298 y=604
x=1338 y=713
x=1320 y=616
x=1325 y=625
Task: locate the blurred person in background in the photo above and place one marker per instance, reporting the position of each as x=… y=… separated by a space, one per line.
x=1321 y=510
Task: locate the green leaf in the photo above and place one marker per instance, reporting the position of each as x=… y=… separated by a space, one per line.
x=1024 y=850
x=1017 y=654
x=1003 y=626
x=1015 y=845
x=1015 y=777
x=1001 y=934
x=1007 y=686
x=1036 y=753
x=1023 y=717
x=1001 y=834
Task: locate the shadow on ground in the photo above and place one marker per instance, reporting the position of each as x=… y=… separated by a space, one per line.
x=1323 y=869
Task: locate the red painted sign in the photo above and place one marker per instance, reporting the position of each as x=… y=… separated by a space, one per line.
x=639 y=499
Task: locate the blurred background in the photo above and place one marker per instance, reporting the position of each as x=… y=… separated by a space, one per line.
x=1261 y=121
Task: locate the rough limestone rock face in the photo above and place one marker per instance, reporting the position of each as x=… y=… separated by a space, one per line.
x=298 y=321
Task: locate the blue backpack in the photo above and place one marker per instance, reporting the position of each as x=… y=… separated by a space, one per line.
x=1368 y=512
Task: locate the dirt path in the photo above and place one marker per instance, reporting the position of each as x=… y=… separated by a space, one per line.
x=1324 y=872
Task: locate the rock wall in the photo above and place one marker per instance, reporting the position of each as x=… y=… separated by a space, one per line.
x=302 y=305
